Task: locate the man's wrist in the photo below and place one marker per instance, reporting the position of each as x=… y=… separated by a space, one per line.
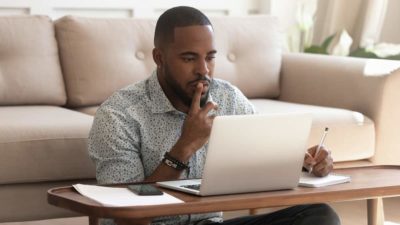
x=182 y=151
x=174 y=163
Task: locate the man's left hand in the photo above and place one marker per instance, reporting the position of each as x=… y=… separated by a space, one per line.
x=321 y=163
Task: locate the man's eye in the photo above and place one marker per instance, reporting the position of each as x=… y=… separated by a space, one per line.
x=210 y=58
x=188 y=59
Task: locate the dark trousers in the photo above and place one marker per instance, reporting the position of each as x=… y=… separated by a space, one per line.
x=316 y=214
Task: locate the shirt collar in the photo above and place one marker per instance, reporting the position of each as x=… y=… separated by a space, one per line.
x=160 y=102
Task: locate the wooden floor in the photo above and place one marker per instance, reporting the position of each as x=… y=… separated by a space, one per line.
x=351 y=213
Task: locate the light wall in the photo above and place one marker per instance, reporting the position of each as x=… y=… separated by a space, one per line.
x=331 y=16
x=123 y=8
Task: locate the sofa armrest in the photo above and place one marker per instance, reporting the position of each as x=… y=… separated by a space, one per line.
x=371 y=87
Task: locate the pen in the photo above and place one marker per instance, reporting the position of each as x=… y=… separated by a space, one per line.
x=320 y=145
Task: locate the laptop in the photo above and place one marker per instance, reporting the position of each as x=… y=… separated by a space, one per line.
x=251 y=153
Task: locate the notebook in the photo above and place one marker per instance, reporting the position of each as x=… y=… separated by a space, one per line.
x=309 y=180
x=251 y=153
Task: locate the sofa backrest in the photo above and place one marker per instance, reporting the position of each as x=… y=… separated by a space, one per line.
x=30 y=70
x=249 y=54
x=99 y=56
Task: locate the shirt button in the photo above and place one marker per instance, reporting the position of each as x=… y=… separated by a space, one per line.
x=140 y=55
x=231 y=57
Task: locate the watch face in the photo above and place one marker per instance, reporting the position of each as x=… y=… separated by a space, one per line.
x=174 y=163
x=170 y=163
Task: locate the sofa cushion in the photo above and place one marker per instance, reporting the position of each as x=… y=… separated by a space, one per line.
x=29 y=67
x=249 y=54
x=99 y=56
x=90 y=110
x=43 y=143
x=351 y=134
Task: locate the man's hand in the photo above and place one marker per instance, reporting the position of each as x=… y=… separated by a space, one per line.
x=197 y=126
x=321 y=164
x=195 y=133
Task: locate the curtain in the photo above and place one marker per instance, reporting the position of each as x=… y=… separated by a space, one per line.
x=364 y=20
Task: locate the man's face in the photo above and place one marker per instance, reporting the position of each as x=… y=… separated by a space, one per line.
x=188 y=60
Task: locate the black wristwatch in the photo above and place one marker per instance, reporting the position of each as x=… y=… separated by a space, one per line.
x=174 y=163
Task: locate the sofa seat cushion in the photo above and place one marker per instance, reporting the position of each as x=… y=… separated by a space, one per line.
x=30 y=71
x=90 y=110
x=351 y=134
x=43 y=143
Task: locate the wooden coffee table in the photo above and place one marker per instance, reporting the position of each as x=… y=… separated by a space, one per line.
x=369 y=183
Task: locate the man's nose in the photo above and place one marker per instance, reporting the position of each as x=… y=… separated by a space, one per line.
x=202 y=67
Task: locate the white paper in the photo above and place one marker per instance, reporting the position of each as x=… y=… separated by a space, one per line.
x=114 y=196
x=309 y=180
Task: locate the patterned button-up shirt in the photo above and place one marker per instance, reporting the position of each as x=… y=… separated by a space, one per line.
x=135 y=127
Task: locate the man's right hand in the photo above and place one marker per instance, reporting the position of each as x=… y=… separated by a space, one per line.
x=195 y=133
x=196 y=128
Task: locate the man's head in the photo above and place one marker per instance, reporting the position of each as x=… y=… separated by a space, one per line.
x=184 y=53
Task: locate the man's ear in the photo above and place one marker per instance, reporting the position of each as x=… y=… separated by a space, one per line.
x=157 y=57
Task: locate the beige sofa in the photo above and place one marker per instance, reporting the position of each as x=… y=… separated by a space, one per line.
x=54 y=75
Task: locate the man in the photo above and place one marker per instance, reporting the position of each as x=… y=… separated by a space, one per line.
x=169 y=117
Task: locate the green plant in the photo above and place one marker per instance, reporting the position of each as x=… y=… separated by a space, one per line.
x=376 y=51
x=320 y=49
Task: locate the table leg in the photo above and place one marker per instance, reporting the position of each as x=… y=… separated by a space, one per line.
x=253 y=211
x=93 y=220
x=375 y=211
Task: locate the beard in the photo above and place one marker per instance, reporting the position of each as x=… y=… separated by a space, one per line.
x=180 y=92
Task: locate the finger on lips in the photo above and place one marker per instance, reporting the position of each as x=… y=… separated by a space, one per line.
x=197 y=93
x=197 y=97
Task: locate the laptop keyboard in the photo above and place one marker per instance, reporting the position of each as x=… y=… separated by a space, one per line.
x=192 y=186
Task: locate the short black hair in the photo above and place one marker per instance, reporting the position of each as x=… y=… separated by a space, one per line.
x=180 y=16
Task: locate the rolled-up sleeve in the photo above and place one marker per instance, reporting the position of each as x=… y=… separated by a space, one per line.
x=114 y=142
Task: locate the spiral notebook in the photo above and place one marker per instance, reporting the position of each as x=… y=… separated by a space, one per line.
x=309 y=180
